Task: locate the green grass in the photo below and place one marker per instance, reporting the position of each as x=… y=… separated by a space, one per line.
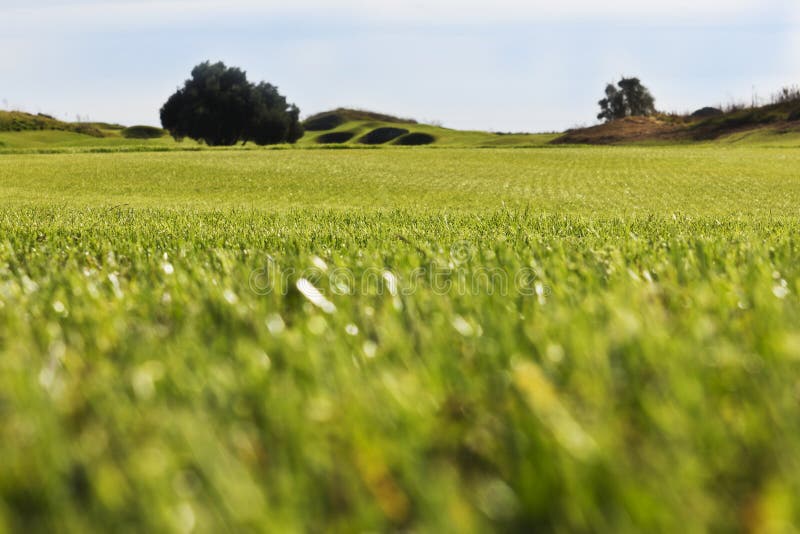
x=17 y=121
x=113 y=140
x=607 y=182
x=638 y=373
x=445 y=137
x=60 y=140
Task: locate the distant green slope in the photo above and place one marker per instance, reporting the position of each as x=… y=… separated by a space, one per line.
x=441 y=136
x=21 y=131
x=344 y=128
x=18 y=121
x=360 y=124
x=57 y=140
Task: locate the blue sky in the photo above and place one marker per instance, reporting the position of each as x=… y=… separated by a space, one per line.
x=510 y=65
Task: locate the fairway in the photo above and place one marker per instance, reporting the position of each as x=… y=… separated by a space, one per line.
x=591 y=182
x=567 y=339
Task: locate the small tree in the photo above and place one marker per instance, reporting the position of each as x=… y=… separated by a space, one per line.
x=627 y=99
x=221 y=108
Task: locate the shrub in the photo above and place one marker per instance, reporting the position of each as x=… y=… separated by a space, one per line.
x=787 y=95
x=143 y=132
x=707 y=112
x=335 y=137
x=794 y=116
x=416 y=139
x=380 y=136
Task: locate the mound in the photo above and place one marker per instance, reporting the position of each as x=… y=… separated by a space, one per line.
x=86 y=129
x=335 y=138
x=323 y=122
x=382 y=135
x=706 y=124
x=737 y=121
x=107 y=125
x=333 y=119
x=143 y=132
x=17 y=121
x=416 y=139
x=629 y=129
x=362 y=115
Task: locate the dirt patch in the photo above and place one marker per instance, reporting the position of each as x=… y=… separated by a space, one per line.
x=381 y=136
x=415 y=139
x=664 y=127
x=335 y=138
x=630 y=129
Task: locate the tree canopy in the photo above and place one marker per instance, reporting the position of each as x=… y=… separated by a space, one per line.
x=628 y=98
x=220 y=107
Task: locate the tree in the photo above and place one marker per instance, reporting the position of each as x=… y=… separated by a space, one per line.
x=218 y=106
x=272 y=119
x=627 y=99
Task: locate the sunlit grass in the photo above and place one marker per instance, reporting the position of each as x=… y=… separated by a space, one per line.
x=641 y=376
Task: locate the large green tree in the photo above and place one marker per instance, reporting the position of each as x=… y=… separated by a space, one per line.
x=220 y=107
x=628 y=98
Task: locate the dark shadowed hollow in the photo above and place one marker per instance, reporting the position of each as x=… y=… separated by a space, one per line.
x=335 y=137
x=381 y=136
x=416 y=139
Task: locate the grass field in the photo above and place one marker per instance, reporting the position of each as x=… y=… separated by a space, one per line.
x=455 y=340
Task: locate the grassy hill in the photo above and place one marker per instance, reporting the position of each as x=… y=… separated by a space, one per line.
x=341 y=128
x=26 y=131
x=18 y=121
x=350 y=127
x=775 y=123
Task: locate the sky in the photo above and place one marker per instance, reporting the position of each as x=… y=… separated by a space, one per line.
x=500 y=65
